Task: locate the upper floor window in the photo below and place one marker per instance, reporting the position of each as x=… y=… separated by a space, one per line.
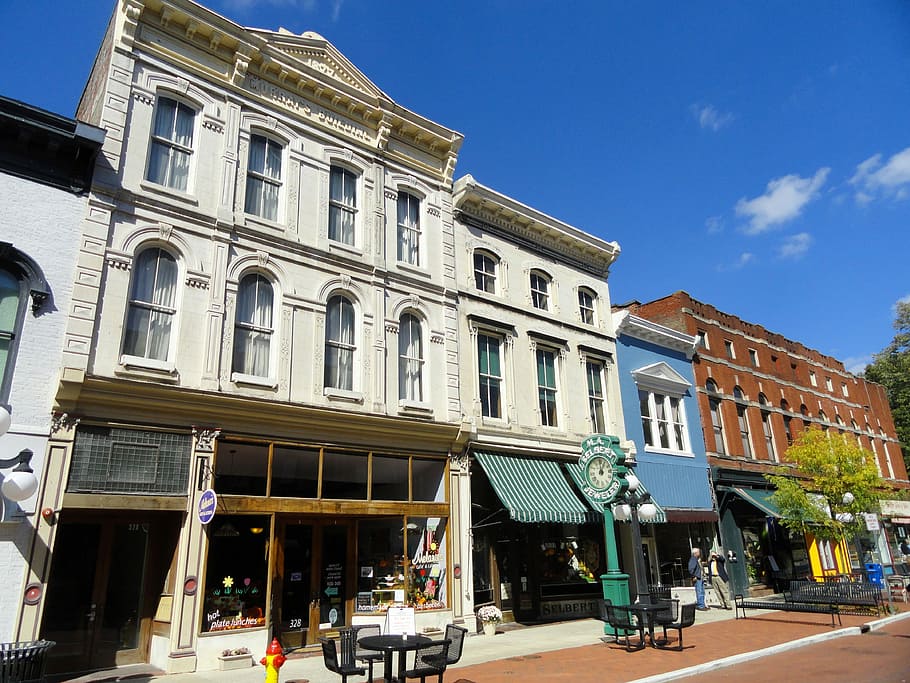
x=822 y=416
x=586 y=299
x=828 y=384
x=843 y=390
x=663 y=420
x=717 y=420
x=485 y=272
x=711 y=387
x=410 y=359
x=812 y=379
x=753 y=357
x=701 y=340
x=12 y=306
x=342 y=205
x=738 y=393
x=743 y=420
x=490 y=375
x=408 y=228
x=263 y=178
x=595 y=373
x=253 y=326
x=728 y=347
x=546 y=386
x=171 y=144
x=540 y=290
x=152 y=305
x=339 y=344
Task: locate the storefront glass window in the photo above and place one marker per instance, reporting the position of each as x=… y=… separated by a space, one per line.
x=241 y=468
x=426 y=552
x=390 y=478
x=429 y=480
x=295 y=472
x=344 y=475
x=236 y=574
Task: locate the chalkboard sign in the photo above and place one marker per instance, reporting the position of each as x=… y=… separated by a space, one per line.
x=400 y=620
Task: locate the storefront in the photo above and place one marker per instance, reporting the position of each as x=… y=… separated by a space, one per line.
x=537 y=546
x=895 y=518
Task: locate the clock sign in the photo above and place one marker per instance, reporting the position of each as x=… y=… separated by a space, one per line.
x=603 y=464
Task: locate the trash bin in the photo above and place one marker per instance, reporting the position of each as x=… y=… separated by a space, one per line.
x=26 y=661
x=876 y=574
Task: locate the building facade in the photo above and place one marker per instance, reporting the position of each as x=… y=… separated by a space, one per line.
x=259 y=391
x=757 y=392
x=537 y=375
x=46 y=164
x=659 y=397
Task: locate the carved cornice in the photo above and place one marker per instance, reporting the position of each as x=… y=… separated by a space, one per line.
x=205 y=438
x=118 y=261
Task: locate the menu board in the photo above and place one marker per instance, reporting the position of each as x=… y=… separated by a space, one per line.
x=399 y=620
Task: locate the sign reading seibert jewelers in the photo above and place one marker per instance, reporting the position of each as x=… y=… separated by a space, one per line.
x=603 y=464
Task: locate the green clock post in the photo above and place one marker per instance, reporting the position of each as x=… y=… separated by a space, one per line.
x=603 y=464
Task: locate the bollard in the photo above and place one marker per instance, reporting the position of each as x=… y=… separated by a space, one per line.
x=272 y=661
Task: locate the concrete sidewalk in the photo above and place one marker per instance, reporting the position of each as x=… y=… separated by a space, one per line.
x=577 y=651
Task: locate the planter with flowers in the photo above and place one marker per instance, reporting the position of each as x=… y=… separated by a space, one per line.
x=489 y=616
x=235 y=658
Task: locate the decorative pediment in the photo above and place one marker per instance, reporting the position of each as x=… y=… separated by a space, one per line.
x=661 y=377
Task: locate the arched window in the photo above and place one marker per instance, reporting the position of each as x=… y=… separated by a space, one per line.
x=410 y=359
x=803 y=410
x=485 y=267
x=540 y=290
x=152 y=305
x=339 y=344
x=172 y=144
x=767 y=427
x=711 y=387
x=738 y=393
x=253 y=326
x=12 y=307
x=586 y=301
x=717 y=421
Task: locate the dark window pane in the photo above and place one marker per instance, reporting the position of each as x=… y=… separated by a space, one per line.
x=295 y=472
x=344 y=476
x=429 y=480
x=390 y=478
x=241 y=468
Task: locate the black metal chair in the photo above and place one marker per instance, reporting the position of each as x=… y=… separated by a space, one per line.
x=659 y=592
x=25 y=661
x=604 y=617
x=361 y=654
x=430 y=660
x=455 y=635
x=686 y=619
x=665 y=617
x=624 y=623
x=345 y=666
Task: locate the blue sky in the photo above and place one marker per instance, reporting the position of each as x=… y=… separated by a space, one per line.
x=754 y=154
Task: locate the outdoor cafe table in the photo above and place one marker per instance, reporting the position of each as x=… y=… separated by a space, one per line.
x=389 y=644
x=646 y=611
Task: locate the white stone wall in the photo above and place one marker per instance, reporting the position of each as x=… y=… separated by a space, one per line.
x=44 y=223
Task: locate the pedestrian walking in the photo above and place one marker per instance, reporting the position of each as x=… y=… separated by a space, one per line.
x=720 y=580
x=697 y=573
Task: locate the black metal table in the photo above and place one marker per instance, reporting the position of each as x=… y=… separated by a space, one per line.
x=646 y=613
x=390 y=644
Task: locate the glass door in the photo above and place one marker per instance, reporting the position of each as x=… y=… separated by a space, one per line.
x=333 y=592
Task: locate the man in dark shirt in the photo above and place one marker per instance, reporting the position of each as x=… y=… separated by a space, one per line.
x=697 y=573
x=720 y=580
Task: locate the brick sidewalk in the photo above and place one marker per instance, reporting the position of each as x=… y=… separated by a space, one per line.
x=610 y=662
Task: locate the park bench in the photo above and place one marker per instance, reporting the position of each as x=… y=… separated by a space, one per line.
x=834 y=598
x=24 y=662
x=782 y=603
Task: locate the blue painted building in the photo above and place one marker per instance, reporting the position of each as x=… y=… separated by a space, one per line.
x=657 y=389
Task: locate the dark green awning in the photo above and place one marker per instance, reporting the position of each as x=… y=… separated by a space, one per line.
x=533 y=490
x=579 y=478
x=759 y=498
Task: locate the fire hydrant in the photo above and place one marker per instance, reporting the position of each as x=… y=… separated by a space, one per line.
x=272 y=661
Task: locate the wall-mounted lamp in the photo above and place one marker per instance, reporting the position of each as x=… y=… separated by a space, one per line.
x=21 y=483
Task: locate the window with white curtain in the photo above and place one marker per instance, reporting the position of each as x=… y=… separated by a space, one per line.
x=339 y=344
x=595 y=373
x=546 y=387
x=485 y=272
x=152 y=305
x=663 y=421
x=408 y=229
x=490 y=375
x=253 y=326
x=263 y=177
x=410 y=359
x=540 y=290
x=586 y=299
x=12 y=304
x=342 y=205
x=172 y=144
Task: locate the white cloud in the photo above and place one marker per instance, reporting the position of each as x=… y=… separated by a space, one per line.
x=857 y=364
x=708 y=116
x=714 y=224
x=744 y=259
x=795 y=246
x=783 y=200
x=872 y=179
x=308 y=6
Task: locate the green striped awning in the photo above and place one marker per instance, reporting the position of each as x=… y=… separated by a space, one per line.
x=758 y=498
x=533 y=490
x=579 y=477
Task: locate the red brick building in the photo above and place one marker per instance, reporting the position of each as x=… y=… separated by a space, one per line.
x=757 y=391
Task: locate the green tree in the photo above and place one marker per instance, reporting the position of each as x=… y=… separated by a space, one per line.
x=832 y=466
x=891 y=369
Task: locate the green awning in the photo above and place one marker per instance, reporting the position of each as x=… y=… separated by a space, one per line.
x=579 y=477
x=758 y=498
x=533 y=490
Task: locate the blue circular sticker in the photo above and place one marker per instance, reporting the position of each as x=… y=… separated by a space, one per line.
x=208 y=501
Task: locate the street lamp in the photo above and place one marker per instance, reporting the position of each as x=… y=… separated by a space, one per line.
x=21 y=483
x=634 y=505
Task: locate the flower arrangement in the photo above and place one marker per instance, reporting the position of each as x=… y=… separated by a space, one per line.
x=489 y=614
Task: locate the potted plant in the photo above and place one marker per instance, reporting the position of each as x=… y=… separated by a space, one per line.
x=489 y=616
x=235 y=658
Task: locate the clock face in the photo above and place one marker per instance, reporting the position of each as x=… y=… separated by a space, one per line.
x=600 y=473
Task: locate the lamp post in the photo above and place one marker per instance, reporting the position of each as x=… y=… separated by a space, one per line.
x=21 y=483
x=634 y=505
